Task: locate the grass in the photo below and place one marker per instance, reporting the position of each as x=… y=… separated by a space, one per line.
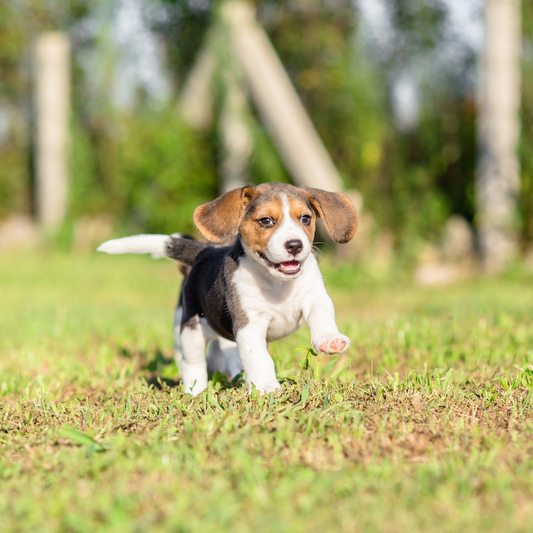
x=424 y=425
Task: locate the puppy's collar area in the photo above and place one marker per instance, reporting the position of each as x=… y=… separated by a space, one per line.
x=289 y=268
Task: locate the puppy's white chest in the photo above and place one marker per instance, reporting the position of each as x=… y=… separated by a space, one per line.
x=283 y=321
x=277 y=305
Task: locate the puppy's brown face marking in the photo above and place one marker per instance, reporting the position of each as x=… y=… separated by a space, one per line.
x=258 y=212
x=302 y=213
x=262 y=218
x=266 y=214
x=277 y=229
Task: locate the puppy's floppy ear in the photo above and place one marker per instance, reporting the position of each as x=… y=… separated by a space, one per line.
x=219 y=220
x=337 y=212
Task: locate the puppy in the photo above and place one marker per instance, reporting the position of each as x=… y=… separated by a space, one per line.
x=256 y=290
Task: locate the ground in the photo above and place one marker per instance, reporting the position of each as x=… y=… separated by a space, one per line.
x=424 y=425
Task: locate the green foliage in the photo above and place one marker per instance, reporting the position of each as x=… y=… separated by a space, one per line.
x=411 y=180
x=419 y=27
x=526 y=115
x=87 y=193
x=428 y=168
x=14 y=179
x=162 y=171
x=182 y=28
x=430 y=172
x=148 y=171
x=20 y=23
x=265 y=165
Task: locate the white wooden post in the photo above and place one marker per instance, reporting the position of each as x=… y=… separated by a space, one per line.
x=236 y=139
x=52 y=103
x=498 y=180
x=196 y=98
x=277 y=101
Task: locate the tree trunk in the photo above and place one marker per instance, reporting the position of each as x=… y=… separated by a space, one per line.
x=52 y=105
x=196 y=97
x=498 y=180
x=280 y=107
x=234 y=129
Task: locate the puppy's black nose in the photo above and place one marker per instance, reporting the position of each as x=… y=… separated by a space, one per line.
x=294 y=246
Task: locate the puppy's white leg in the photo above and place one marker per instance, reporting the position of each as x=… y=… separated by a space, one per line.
x=320 y=318
x=216 y=362
x=193 y=363
x=223 y=356
x=231 y=355
x=256 y=361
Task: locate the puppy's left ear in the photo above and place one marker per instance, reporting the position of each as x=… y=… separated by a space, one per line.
x=337 y=212
x=219 y=220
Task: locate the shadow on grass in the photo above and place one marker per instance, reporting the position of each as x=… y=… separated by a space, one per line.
x=157 y=370
x=161 y=383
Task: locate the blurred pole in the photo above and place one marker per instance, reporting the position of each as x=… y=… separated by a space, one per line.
x=498 y=180
x=196 y=98
x=236 y=139
x=52 y=108
x=278 y=103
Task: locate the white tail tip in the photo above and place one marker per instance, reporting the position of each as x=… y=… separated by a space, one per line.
x=156 y=245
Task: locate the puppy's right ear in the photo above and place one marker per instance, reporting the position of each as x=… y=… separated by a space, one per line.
x=219 y=220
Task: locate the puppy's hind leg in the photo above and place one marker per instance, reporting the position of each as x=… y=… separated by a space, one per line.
x=178 y=350
x=216 y=362
x=223 y=356
x=231 y=355
x=193 y=364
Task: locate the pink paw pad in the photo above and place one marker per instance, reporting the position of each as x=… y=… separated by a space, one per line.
x=336 y=346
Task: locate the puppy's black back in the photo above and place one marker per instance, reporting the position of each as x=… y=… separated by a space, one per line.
x=185 y=249
x=208 y=292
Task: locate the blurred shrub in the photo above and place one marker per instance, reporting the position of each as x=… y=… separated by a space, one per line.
x=347 y=91
x=265 y=164
x=20 y=23
x=161 y=172
x=526 y=141
x=316 y=41
x=149 y=171
x=428 y=173
x=14 y=179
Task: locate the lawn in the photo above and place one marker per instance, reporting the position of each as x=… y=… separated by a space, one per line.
x=424 y=425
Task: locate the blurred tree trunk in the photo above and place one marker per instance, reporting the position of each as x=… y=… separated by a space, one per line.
x=277 y=101
x=53 y=105
x=498 y=180
x=236 y=138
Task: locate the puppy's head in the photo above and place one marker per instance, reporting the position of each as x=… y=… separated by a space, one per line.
x=276 y=222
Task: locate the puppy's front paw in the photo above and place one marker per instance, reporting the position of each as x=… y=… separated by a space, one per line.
x=266 y=387
x=334 y=343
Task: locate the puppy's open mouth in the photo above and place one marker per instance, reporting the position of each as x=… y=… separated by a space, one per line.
x=290 y=268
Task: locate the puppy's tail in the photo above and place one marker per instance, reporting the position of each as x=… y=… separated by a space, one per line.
x=182 y=248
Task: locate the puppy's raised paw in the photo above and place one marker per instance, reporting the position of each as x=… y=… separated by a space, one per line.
x=334 y=343
x=266 y=387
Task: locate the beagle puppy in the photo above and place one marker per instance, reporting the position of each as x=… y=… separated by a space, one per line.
x=242 y=296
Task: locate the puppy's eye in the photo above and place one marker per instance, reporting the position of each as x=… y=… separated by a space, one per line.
x=266 y=222
x=305 y=220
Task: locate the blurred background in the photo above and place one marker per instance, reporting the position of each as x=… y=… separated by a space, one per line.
x=121 y=116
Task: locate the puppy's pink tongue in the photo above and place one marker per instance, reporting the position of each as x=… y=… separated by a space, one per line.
x=289 y=266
